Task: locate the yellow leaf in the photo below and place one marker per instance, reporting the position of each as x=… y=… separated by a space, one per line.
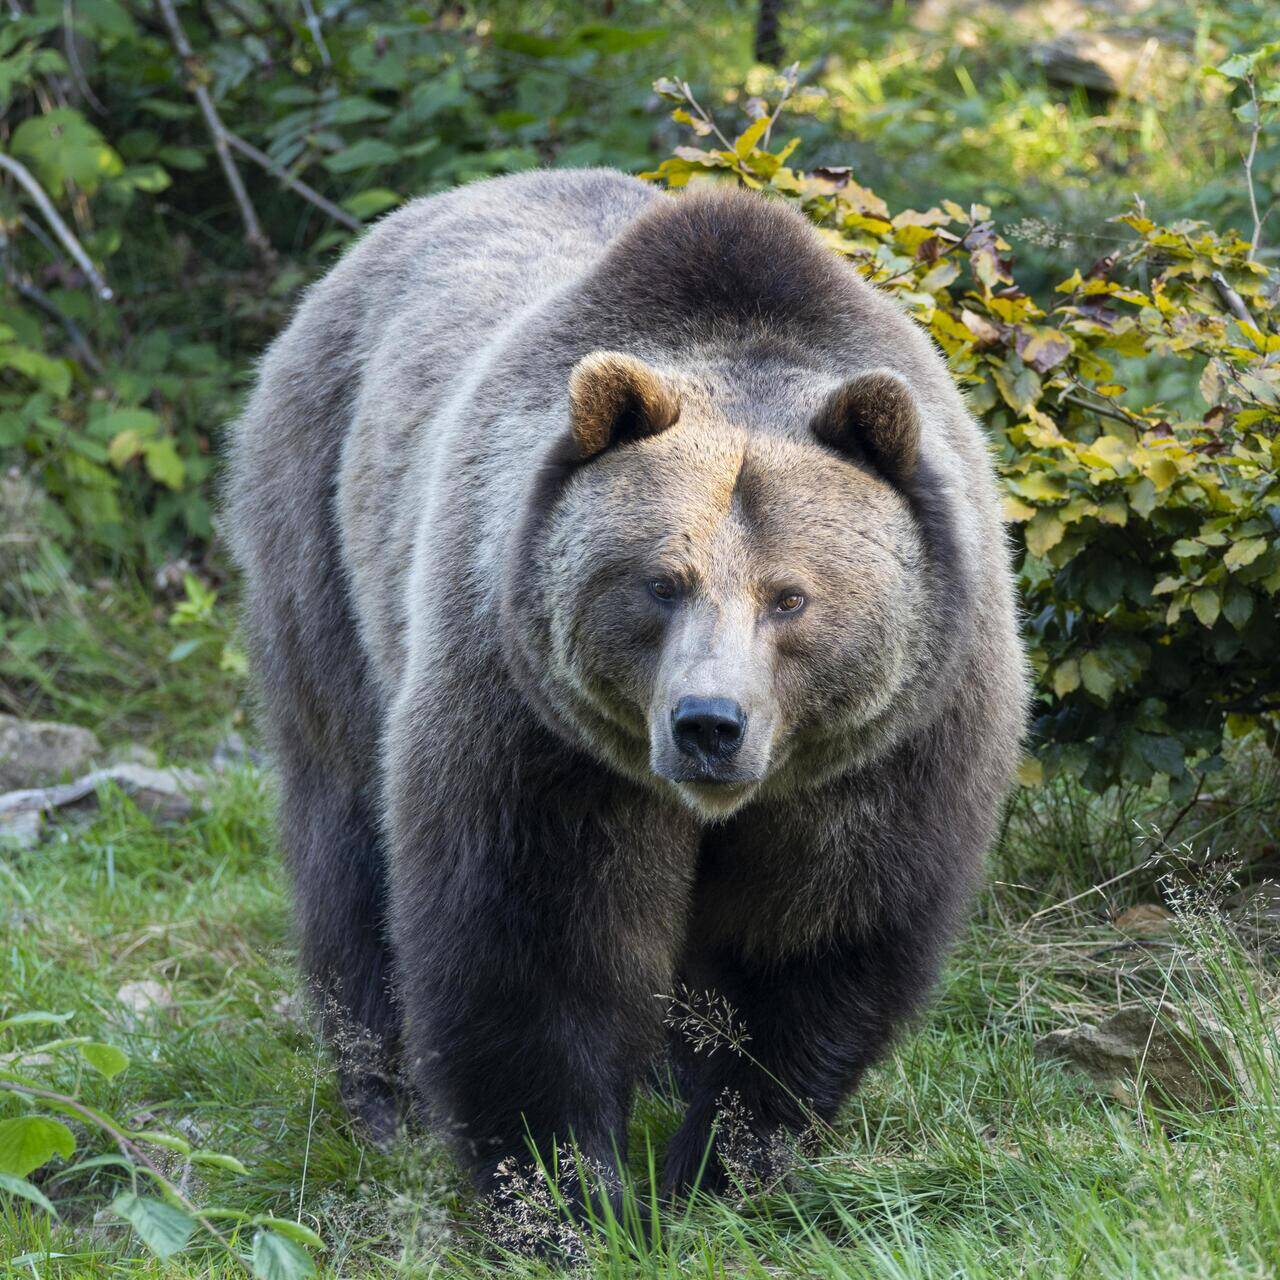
x=1044 y=532
x=1066 y=678
x=1244 y=552
x=1108 y=451
x=1038 y=486
x=745 y=144
x=1016 y=511
x=1113 y=512
x=1030 y=772
x=1161 y=472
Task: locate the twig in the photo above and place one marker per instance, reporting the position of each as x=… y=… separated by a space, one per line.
x=253 y=232
x=250 y=152
x=1256 y=130
x=54 y=219
x=788 y=87
x=1231 y=299
x=1104 y=411
x=73 y=59
x=704 y=116
x=1186 y=809
x=313 y=26
x=74 y=334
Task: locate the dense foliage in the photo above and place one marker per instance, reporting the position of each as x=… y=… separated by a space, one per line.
x=1149 y=528
x=173 y=174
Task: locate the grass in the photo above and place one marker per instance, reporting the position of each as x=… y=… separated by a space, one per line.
x=963 y=1155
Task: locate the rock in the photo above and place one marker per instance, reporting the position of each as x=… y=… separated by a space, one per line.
x=1181 y=1062
x=38 y=753
x=163 y=794
x=21 y=828
x=234 y=753
x=1146 y=920
x=133 y=753
x=1101 y=61
x=146 y=998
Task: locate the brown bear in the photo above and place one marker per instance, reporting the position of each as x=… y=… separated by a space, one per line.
x=633 y=612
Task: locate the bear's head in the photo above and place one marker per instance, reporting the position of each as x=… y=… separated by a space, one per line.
x=714 y=607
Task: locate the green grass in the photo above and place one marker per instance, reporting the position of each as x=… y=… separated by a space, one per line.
x=961 y=1156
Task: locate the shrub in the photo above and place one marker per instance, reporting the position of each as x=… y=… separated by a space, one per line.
x=1135 y=417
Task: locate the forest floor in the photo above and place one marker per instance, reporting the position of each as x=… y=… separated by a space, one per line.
x=964 y=1154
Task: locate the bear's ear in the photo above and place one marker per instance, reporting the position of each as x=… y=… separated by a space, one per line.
x=614 y=397
x=874 y=416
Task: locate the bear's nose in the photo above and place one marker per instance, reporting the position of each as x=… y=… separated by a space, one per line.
x=708 y=729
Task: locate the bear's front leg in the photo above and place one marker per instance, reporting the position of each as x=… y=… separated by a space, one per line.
x=537 y=904
x=802 y=1031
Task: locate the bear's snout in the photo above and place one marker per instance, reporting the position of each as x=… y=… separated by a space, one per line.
x=708 y=730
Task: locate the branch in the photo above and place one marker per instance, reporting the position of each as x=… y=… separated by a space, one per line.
x=1256 y=239
x=261 y=158
x=253 y=232
x=54 y=219
x=74 y=335
x=73 y=59
x=313 y=26
x=1104 y=411
x=1230 y=298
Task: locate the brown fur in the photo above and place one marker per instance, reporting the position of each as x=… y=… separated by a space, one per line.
x=541 y=462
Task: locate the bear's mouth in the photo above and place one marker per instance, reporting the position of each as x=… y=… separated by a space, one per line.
x=716 y=797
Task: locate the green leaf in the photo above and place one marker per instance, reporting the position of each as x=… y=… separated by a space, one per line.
x=35 y=1018
x=294 y=1230
x=1244 y=552
x=21 y=1187
x=216 y=1160
x=158 y=1138
x=368 y=204
x=27 y=1142
x=105 y=1059
x=1206 y=605
x=368 y=153
x=1162 y=753
x=161 y=1227
x=1096 y=676
x=163 y=463
x=276 y=1258
x=65 y=150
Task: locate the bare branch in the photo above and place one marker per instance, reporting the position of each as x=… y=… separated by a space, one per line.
x=1256 y=239
x=60 y=229
x=73 y=59
x=1231 y=299
x=253 y=232
x=313 y=26
x=249 y=151
x=789 y=78
x=74 y=334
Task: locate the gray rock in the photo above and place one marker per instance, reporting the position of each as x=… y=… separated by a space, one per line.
x=1180 y=1061
x=38 y=753
x=234 y=753
x=163 y=794
x=21 y=828
x=132 y=753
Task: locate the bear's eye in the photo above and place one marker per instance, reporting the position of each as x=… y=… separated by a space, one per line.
x=663 y=589
x=792 y=602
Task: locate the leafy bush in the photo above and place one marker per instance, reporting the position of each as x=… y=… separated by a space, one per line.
x=47 y=1081
x=1148 y=525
